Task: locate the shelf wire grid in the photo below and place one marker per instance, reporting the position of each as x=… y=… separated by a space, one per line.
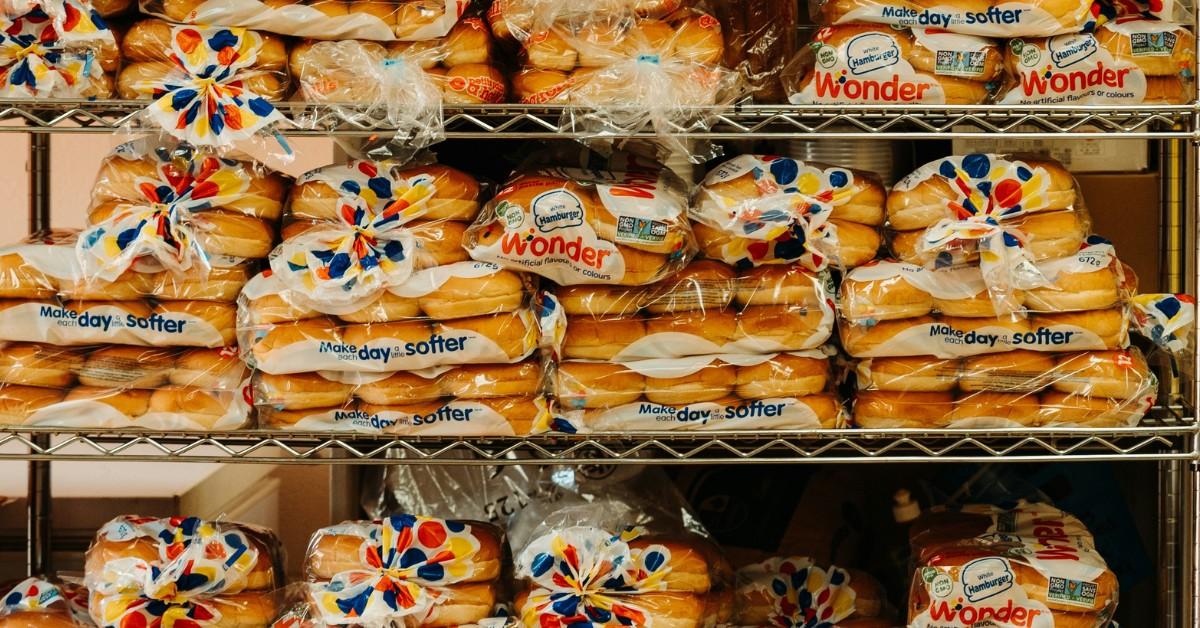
x=734 y=122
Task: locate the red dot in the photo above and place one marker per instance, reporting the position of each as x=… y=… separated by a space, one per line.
x=431 y=534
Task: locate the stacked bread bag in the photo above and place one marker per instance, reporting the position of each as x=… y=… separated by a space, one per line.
x=373 y=318
x=403 y=83
x=131 y=322
x=148 y=571
x=607 y=553
x=621 y=66
x=375 y=20
x=401 y=570
x=1001 y=310
x=71 y=53
x=852 y=64
x=1030 y=565
x=38 y=602
x=211 y=86
x=987 y=18
x=1130 y=60
x=792 y=590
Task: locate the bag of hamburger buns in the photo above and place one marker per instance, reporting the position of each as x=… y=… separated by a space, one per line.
x=622 y=67
x=583 y=226
x=987 y=18
x=76 y=54
x=372 y=277
x=207 y=85
x=765 y=209
x=375 y=20
x=876 y=64
x=787 y=590
x=1044 y=571
x=41 y=602
x=401 y=84
x=1126 y=61
x=630 y=550
x=202 y=570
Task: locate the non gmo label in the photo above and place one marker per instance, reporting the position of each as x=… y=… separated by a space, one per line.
x=964 y=63
x=1152 y=44
x=631 y=229
x=1074 y=592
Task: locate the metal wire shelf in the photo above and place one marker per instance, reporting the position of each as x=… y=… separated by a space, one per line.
x=734 y=122
x=1168 y=433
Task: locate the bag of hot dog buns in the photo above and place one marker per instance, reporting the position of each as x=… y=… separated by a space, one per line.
x=209 y=85
x=1125 y=61
x=403 y=570
x=466 y=400
x=763 y=209
x=401 y=83
x=376 y=20
x=174 y=232
x=38 y=602
x=615 y=554
x=372 y=277
x=1030 y=566
x=147 y=570
x=792 y=590
x=74 y=53
x=988 y=18
x=115 y=386
x=852 y=64
x=621 y=67
x=625 y=226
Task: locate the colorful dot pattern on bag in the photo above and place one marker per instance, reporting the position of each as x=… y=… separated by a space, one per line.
x=1165 y=319
x=405 y=563
x=32 y=594
x=204 y=98
x=584 y=577
x=198 y=562
x=804 y=595
x=164 y=225
x=41 y=57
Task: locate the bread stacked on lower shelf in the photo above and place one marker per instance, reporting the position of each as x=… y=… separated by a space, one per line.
x=404 y=570
x=373 y=319
x=147 y=571
x=1031 y=565
x=788 y=591
x=707 y=349
x=41 y=603
x=1004 y=326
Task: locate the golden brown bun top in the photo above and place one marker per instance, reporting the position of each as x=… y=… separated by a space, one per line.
x=150 y=40
x=328 y=547
x=31 y=354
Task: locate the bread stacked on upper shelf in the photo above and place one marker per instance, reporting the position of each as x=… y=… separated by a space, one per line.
x=129 y=322
x=1005 y=311
x=65 y=53
x=372 y=299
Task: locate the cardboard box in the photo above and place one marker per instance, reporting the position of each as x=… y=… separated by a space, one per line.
x=1078 y=155
x=1126 y=208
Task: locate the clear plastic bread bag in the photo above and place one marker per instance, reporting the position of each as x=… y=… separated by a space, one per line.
x=466 y=400
x=58 y=50
x=855 y=64
x=406 y=570
x=764 y=209
x=1002 y=212
x=1127 y=61
x=577 y=226
x=114 y=386
x=620 y=71
x=372 y=277
x=400 y=85
x=210 y=86
x=1033 y=565
x=382 y=20
x=760 y=37
x=1026 y=18
x=146 y=569
x=39 y=601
